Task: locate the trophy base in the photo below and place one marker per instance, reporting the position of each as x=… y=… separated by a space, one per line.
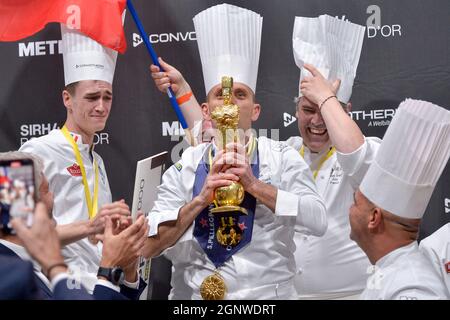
x=229 y=209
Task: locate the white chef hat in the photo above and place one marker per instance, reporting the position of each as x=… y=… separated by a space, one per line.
x=332 y=45
x=229 y=42
x=86 y=59
x=411 y=158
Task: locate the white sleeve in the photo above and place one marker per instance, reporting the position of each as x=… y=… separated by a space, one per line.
x=298 y=196
x=356 y=164
x=59 y=277
x=108 y=284
x=135 y=284
x=169 y=199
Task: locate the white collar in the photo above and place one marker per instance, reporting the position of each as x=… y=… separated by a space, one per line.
x=312 y=158
x=78 y=140
x=397 y=253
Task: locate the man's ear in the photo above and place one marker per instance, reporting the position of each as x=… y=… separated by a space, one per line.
x=205 y=111
x=256 y=111
x=67 y=100
x=375 y=223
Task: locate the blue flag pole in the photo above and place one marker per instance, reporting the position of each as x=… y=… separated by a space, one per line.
x=154 y=57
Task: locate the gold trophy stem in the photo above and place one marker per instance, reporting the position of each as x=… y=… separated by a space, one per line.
x=228 y=198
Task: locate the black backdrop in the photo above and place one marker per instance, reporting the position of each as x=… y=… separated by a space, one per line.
x=405 y=54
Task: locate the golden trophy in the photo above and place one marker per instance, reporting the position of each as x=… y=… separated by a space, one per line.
x=227 y=118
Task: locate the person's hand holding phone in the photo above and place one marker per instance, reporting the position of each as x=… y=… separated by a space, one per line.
x=18 y=191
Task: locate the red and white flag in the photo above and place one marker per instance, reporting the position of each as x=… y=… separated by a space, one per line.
x=100 y=20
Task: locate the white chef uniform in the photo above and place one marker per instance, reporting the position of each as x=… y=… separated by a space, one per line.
x=332 y=266
x=84 y=59
x=437 y=249
x=266 y=267
x=403 y=274
x=401 y=180
x=229 y=44
x=65 y=182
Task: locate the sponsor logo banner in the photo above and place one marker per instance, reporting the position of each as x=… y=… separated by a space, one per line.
x=179 y=36
x=288 y=119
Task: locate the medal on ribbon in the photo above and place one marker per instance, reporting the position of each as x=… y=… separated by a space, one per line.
x=224 y=234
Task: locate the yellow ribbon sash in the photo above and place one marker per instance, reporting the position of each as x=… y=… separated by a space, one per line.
x=91 y=203
x=322 y=160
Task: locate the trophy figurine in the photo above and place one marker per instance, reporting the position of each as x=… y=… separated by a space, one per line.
x=227 y=118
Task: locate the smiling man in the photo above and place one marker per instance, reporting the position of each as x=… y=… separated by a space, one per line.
x=331 y=144
x=76 y=173
x=338 y=154
x=232 y=255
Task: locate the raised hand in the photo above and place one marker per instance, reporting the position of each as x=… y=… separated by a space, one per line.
x=123 y=249
x=216 y=178
x=118 y=212
x=316 y=88
x=169 y=77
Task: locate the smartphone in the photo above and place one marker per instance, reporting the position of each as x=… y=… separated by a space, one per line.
x=17 y=192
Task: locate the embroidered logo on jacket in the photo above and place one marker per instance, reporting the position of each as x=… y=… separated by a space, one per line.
x=179 y=166
x=336 y=175
x=74 y=170
x=447 y=267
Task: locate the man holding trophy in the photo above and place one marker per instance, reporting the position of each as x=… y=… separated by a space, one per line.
x=226 y=212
